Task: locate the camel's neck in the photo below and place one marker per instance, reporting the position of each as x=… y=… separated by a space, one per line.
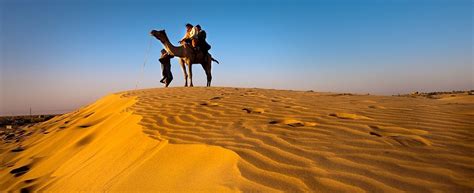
x=171 y=49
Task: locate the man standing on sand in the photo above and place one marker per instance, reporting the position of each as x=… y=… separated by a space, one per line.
x=165 y=61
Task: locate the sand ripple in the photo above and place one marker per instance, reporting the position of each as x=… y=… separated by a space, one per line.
x=247 y=140
x=305 y=142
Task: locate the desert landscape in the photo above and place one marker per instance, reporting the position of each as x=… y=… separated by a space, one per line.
x=236 y=96
x=224 y=139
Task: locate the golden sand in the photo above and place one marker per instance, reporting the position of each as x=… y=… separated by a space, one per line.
x=248 y=140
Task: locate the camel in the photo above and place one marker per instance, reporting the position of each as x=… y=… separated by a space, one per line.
x=187 y=56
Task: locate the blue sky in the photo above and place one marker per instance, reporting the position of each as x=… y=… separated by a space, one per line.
x=59 y=55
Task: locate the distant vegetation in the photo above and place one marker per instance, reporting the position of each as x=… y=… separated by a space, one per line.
x=12 y=128
x=437 y=95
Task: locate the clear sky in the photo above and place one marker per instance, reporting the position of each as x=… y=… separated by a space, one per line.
x=59 y=55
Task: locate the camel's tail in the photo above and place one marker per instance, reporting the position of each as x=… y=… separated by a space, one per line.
x=214 y=60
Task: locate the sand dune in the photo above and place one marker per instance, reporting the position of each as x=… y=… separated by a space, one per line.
x=248 y=140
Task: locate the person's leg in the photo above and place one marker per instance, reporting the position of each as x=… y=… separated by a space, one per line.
x=187 y=41
x=195 y=44
x=169 y=76
x=163 y=73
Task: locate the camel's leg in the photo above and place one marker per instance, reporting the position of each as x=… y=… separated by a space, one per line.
x=207 y=68
x=190 y=70
x=183 y=67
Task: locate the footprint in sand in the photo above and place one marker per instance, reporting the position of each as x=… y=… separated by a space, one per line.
x=293 y=123
x=349 y=116
x=209 y=104
x=20 y=171
x=376 y=107
x=27 y=189
x=18 y=149
x=30 y=180
x=254 y=110
x=216 y=98
x=376 y=134
x=88 y=115
x=85 y=140
x=84 y=126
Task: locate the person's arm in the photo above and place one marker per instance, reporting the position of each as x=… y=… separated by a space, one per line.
x=163 y=55
x=167 y=55
x=186 y=36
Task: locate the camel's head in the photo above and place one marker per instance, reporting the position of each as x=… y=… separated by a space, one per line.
x=160 y=35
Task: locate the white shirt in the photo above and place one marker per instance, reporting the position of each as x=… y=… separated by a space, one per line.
x=192 y=34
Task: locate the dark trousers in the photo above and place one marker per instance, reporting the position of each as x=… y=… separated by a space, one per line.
x=166 y=71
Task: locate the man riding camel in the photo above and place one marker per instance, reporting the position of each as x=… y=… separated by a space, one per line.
x=187 y=54
x=196 y=37
x=201 y=36
x=191 y=36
